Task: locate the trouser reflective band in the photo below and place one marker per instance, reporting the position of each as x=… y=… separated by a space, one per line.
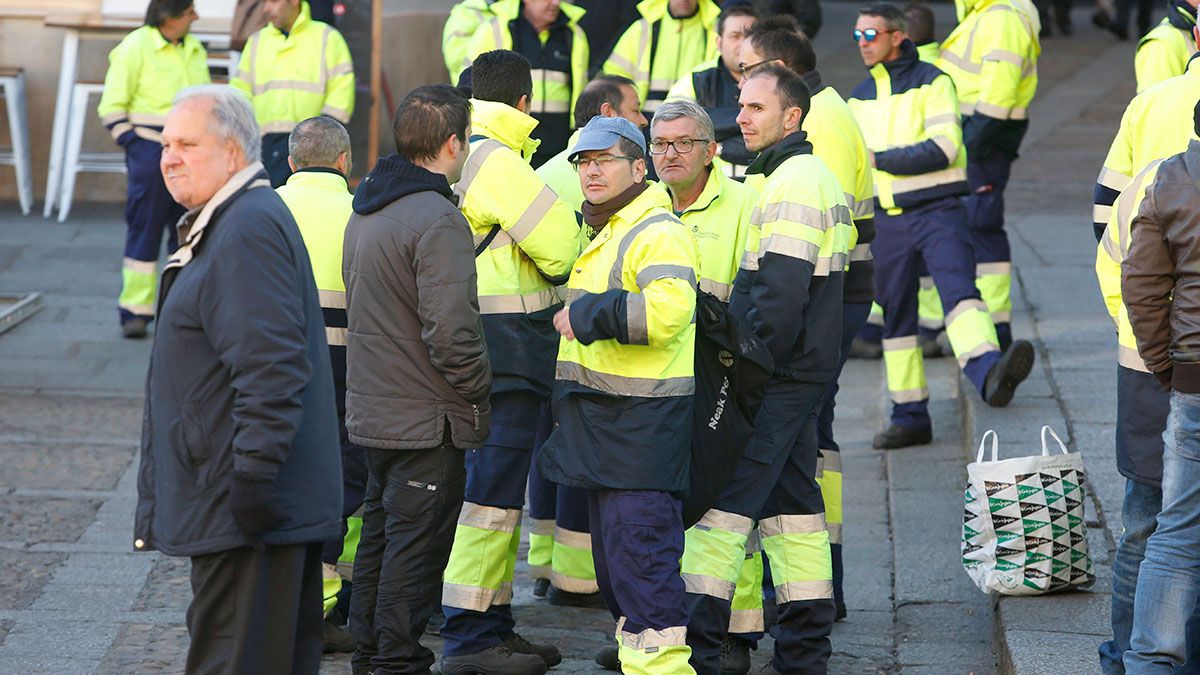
x=541 y=547
x=875 y=318
x=971 y=331
x=479 y=573
x=713 y=552
x=905 y=369
x=994 y=281
x=746 y=614
x=331 y=584
x=798 y=548
x=929 y=306
x=829 y=477
x=653 y=652
x=573 y=569
x=139 y=279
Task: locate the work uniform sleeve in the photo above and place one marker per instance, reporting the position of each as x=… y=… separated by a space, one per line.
x=243 y=77
x=487 y=37
x=1108 y=272
x=1002 y=63
x=339 y=82
x=456 y=36
x=1154 y=62
x=1116 y=172
x=944 y=131
x=663 y=261
x=509 y=192
x=683 y=90
x=628 y=54
x=448 y=308
x=120 y=83
x=252 y=311
x=1147 y=279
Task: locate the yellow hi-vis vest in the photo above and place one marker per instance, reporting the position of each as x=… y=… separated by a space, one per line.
x=658 y=49
x=719 y=221
x=1163 y=53
x=992 y=57
x=562 y=177
x=145 y=71
x=290 y=78
x=1156 y=124
x=1111 y=252
x=537 y=240
x=465 y=17
x=322 y=204
x=909 y=106
x=838 y=141
x=553 y=92
x=929 y=51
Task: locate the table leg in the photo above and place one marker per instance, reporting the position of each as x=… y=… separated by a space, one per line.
x=62 y=104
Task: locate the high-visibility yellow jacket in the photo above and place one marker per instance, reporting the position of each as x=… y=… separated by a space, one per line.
x=1111 y=251
x=465 y=18
x=321 y=203
x=992 y=57
x=909 y=114
x=658 y=49
x=719 y=220
x=562 y=177
x=290 y=78
x=145 y=71
x=789 y=286
x=929 y=51
x=559 y=59
x=536 y=241
x=1156 y=124
x=623 y=397
x=1163 y=53
x=838 y=141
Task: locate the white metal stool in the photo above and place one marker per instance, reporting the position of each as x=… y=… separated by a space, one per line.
x=78 y=161
x=12 y=87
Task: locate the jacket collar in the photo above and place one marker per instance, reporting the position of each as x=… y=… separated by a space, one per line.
x=1182 y=15
x=712 y=189
x=654 y=10
x=320 y=177
x=510 y=10
x=302 y=20
x=188 y=42
x=812 y=80
x=904 y=63
x=504 y=123
x=192 y=225
x=768 y=160
x=655 y=196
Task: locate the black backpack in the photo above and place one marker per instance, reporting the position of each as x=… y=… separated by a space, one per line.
x=732 y=369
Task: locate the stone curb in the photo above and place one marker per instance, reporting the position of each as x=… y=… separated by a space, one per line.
x=1057 y=633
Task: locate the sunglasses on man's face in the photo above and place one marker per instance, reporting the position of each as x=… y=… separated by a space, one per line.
x=869 y=34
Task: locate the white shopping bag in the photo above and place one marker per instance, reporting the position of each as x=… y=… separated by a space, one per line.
x=1023 y=530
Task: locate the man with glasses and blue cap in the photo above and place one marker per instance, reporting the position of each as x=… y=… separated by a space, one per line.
x=623 y=392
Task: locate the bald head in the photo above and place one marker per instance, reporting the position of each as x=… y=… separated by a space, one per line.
x=319 y=142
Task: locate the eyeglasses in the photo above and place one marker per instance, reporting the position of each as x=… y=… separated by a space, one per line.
x=745 y=69
x=869 y=34
x=602 y=161
x=682 y=146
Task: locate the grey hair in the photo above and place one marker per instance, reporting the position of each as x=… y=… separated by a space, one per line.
x=673 y=110
x=232 y=116
x=318 y=141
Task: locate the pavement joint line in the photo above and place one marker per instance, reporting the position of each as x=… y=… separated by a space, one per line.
x=62 y=616
x=53 y=493
x=69 y=440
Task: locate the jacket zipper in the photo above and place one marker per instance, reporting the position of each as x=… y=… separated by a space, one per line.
x=475 y=412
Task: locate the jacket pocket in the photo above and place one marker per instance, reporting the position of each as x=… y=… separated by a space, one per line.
x=196 y=445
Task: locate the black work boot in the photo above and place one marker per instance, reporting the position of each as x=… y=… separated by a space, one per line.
x=337 y=639
x=519 y=645
x=435 y=623
x=735 y=656
x=930 y=348
x=134 y=329
x=561 y=598
x=896 y=436
x=861 y=349
x=1012 y=368
x=498 y=660
x=541 y=587
x=609 y=659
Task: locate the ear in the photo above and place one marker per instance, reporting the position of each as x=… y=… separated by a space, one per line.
x=523 y=103
x=639 y=170
x=291 y=164
x=711 y=152
x=606 y=110
x=343 y=163
x=791 y=121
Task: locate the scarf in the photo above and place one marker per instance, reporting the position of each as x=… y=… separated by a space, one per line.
x=597 y=215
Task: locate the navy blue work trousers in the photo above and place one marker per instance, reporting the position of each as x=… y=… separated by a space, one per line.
x=149 y=210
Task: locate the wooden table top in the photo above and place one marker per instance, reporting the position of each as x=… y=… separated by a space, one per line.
x=126 y=23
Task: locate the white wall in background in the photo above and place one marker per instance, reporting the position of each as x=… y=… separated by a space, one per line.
x=209 y=9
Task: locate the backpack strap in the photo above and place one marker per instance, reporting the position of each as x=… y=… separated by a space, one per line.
x=487 y=240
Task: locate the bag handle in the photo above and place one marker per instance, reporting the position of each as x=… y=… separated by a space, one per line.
x=1045 y=450
x=983 y=441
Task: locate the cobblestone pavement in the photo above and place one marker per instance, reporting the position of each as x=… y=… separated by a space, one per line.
x=74 y=598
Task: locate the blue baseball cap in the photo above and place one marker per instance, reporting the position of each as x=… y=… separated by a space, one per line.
x=601 y=133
